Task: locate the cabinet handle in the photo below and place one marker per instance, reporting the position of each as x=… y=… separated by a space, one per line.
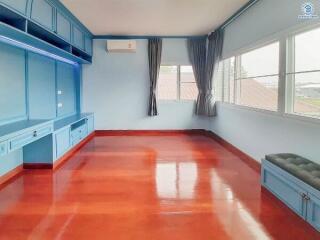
x=305 y=196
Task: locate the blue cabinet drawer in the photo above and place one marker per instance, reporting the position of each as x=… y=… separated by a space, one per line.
x=62 y=139
x=63 y=27
x=43 y=13
x=79 y=134
x=29 y=137
x=287 y=191
x=3 y=148
x=78 y=38
x=18 y=5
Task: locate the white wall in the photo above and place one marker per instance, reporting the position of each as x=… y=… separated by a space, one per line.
x=116 y=89
x=259 y=133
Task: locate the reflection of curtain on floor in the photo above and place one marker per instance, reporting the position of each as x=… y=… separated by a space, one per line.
x=205 y=56
x=154 y=54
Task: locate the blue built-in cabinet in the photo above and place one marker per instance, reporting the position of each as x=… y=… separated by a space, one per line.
x=296 y=194
x=42 y=47
x=41 y=87
x=56 y=29
x=78 y=38
x=12 y=83
x=63 y=26
x=19 y=5
x=66 y=87
x=43 y=12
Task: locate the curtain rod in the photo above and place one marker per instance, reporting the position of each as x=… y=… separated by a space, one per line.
x=238 y=13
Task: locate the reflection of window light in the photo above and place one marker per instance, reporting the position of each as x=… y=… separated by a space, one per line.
x=222 y=190
x=176 y=180
x=35 y=50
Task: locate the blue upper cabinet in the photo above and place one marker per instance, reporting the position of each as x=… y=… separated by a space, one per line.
x=88 y=45
x=17 y=5
x=78 y=38
x=63 y=27
x=43 y=13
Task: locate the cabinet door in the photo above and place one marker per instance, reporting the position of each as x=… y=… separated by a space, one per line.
x=66 y=87
x=62 y=141
x=90 y=123
x=285 y=190
x=88 y=45
x=78 y=38
x=41 y=87
x=63 y=27
x=18 y=5
x=43 y=13
x=12 y=82
x=313 y=214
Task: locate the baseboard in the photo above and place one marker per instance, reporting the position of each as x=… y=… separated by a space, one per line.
x=242 y=155
x=58 y=163
x=37 y=166
x=11 y=175
x=101 y=133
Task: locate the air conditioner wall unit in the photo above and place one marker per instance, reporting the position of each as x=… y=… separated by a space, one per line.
x=121 y=46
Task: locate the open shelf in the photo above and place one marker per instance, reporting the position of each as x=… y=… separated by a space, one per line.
x=12 y=18
x=81 y=54
x=39 y=32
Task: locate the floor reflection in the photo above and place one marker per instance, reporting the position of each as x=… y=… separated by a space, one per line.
x=176 y=180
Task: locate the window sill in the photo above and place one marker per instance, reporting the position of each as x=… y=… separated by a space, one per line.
x=296 y=117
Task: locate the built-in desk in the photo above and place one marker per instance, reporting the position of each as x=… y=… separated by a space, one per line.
x=45 y=141
x=17 y=135
x=69 y=131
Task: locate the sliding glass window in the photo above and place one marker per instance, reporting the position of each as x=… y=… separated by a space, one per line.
x=303 y=74
x=257 y=78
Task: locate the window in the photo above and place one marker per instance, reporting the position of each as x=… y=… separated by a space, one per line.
x=303 y=74
x=177 y=83
x=258 y=78
x=252 y=78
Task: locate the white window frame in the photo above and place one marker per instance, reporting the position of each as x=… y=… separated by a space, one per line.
x=178 y=85
x=286 y=63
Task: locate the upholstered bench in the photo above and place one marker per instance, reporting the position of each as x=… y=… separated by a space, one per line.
x=296 y=181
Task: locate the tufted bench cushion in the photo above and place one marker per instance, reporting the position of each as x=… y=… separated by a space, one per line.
x=304 y=169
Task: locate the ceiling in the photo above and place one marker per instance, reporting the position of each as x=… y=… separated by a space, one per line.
x=153 y=17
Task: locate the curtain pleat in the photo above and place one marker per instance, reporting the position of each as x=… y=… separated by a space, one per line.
x=154 y=56
x=205 y=56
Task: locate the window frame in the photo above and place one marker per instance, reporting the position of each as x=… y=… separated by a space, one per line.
x=178 y=85
x=285 y=88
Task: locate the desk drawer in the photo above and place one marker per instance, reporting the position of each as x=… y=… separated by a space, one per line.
x=78 y=134
x=3 y=148
x=29 y=137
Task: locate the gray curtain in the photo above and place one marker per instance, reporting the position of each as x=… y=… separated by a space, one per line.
x=205 y=57
x=154 y=55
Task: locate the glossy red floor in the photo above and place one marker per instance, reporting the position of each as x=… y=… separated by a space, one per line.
x=150 y=187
